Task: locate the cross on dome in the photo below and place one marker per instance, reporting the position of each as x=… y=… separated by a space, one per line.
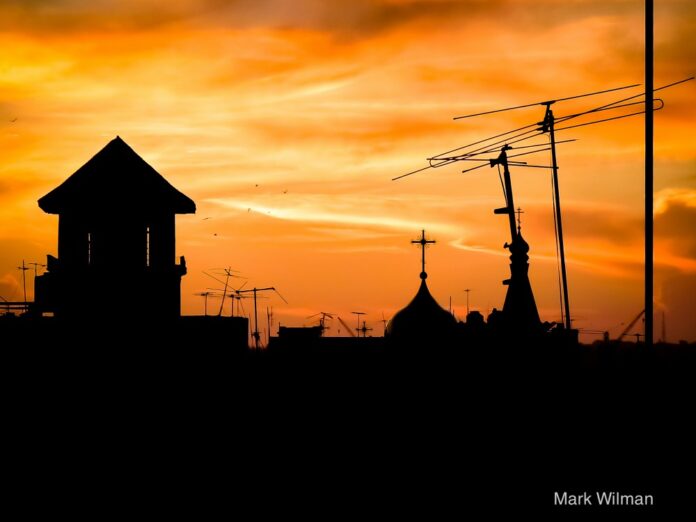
x=423 y=243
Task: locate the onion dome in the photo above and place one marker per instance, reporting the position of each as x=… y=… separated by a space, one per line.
x=423 y=321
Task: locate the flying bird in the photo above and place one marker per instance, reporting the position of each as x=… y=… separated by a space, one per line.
x=205 y=218
x=12 y=121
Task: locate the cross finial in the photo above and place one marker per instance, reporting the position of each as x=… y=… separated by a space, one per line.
x=519 y=213
x=423 y=243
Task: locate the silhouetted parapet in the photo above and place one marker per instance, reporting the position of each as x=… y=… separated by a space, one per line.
x=116 y=240
x=423 y=322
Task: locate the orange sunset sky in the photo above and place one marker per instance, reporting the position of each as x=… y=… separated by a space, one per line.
x=285 y=120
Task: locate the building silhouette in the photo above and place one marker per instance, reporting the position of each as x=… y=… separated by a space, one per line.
x=116 y=241
x=520 y=310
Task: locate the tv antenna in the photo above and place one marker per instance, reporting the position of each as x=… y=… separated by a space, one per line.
x=36 y=267
x=364 y=329
x=358 y=314
x=24 y=269
x=255 y=334
x=348 y=328
x=322 y=320
x=269 y=318
x=548 y=126
x=205 y=300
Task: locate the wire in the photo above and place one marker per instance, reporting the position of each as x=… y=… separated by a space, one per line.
x=530 y=152
x=601 y=107
x=547 y=102
x=483 y=150
x=483 y=141
x=440 y=161
x=603 y=120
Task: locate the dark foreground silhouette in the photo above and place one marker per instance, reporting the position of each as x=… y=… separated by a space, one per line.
x=424 y=431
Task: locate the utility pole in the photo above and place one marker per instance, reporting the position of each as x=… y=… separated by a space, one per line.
x=649 y=157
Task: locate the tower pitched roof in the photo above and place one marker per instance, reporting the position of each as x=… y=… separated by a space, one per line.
x=116 y=178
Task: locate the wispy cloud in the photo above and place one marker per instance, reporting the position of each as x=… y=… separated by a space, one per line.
x=342 y=212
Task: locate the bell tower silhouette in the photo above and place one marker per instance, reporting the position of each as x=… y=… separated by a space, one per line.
x=116 y=240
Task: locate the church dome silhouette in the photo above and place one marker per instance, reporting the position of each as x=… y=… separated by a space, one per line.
x=423 y=319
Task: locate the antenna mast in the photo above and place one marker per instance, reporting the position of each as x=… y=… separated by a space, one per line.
x=24 y=269
x=548 y=125
x=255 y=334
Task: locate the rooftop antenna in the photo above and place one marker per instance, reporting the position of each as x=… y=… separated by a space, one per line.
x=217 y=292
x=24 y=269
x=548 y=126
x=384 y=322
x=36 y=274
x=348 y=328
x=364 y=329
x=36 y=266
x=269 y=317
x=467 y=290
x=358 y=314
x=205 y=296
x=255 y=334
x=322 y=320
x=228 y=274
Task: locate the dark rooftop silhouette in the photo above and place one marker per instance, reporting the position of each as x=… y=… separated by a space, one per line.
x=116 y=176
x=116 y=231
